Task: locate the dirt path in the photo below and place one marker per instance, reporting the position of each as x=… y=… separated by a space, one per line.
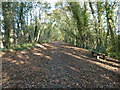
x=56 y=65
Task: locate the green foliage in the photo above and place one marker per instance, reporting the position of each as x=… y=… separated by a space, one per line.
x=20 y=47
x=115 y=55
x=3 y=49
x=23 y=46
x=87 y=26
x=44 y=41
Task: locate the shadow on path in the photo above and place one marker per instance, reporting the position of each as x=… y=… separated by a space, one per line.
x=55 y=65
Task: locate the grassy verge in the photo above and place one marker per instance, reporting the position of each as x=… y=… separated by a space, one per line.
x=20 y=47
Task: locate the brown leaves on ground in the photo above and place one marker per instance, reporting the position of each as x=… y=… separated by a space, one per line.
x=55 y=65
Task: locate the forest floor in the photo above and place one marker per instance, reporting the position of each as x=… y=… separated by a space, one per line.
x=58 y=65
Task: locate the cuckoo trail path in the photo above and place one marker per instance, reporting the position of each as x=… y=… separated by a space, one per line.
x=58 y=65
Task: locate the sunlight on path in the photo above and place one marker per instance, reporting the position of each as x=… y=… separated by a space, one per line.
x=55 y=65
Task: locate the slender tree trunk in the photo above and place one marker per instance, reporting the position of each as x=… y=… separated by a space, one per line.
x=95 y=21
x=1 y=36
x=99 y=23
x=36 y=29
x=1 y=43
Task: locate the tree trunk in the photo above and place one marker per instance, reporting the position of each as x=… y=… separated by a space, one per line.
x=8 y=23
x=110 y=25
x=95 y=21
x=99 y=23
x=75 y=10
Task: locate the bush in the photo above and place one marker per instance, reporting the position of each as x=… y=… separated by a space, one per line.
x=20 y=47
x=115 y=55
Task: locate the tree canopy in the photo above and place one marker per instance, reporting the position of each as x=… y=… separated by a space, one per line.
x=85 y=25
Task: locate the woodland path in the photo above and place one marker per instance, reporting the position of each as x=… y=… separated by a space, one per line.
x=58 y=65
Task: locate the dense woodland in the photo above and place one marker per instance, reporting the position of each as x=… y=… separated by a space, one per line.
x=85 y=25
